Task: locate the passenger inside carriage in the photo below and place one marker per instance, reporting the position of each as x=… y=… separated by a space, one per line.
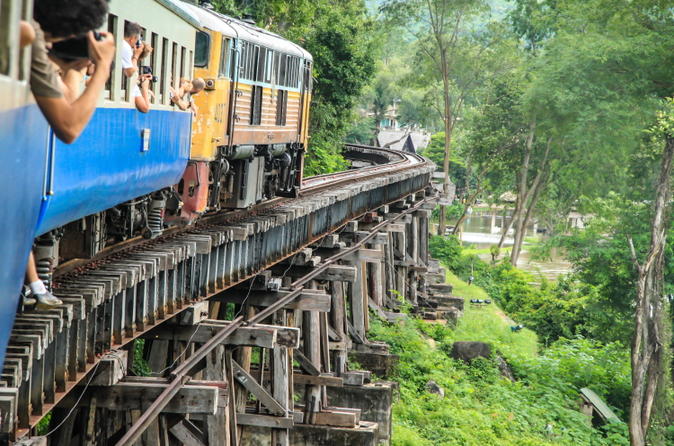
x=182 y=97
x=133 y=50
x=59 y=21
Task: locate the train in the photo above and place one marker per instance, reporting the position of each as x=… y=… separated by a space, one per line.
x=132 y=174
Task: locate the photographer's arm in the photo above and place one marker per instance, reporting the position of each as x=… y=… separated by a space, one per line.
x=69 y=119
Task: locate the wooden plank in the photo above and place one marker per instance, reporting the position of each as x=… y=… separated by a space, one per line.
x=307 y=301
x=126 y=396
x=187 y=433
x=248 y=419
x=305 y=363
x=320 y=380
x=343 y=273
x=247 y=381
x=335 y=418
x=258 y=335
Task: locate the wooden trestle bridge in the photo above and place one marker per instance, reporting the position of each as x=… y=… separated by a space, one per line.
x=247 y=323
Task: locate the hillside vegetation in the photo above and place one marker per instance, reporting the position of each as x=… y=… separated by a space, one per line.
x=480 y=406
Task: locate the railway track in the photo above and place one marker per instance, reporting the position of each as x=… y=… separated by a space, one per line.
x=129 y=290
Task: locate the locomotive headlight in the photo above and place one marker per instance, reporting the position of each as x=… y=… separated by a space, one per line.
x=210 y=84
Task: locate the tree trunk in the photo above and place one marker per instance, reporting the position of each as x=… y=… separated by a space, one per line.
x=507 y=227
x=447 y=119
x=647 y=356
x=529 y=201
x=517 y=246
x=470 y=202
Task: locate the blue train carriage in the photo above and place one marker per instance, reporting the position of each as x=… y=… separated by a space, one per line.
x=115 y=181
x=23 y=161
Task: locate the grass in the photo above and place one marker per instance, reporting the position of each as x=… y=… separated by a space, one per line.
x=489 y=323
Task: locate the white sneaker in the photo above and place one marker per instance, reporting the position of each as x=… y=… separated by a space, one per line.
x=47 y=300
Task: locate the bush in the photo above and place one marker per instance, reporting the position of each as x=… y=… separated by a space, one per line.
x=480 y=407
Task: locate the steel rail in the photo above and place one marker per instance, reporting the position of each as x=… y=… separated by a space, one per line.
x=180 y=376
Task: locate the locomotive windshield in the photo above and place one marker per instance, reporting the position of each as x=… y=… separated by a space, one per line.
x=201 y=49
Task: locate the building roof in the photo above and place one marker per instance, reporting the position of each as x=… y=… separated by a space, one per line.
x=599 y=405
x=403 y=139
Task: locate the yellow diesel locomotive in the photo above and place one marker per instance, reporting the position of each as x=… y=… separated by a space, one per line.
x=249 y=132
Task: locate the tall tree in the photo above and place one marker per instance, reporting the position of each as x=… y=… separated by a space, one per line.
x=650 y=339
x=442 y=28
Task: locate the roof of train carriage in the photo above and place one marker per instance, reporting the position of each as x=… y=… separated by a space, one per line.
x=232 y=27
x=176 y=7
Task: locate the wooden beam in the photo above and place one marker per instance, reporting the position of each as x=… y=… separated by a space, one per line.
x=249 y=419
x=257 y=335
x=307 y=301
x=305 y=363
x=247 y=381
x=194 y=398
x=187 y=433
x=321 y=380
x=343 y=273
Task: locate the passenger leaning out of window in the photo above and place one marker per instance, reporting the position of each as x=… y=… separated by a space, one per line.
x=132 y=52
x=182 y=97
x=63 y=33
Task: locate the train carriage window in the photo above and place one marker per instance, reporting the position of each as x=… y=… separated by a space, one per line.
x=281 y=107
x=282 y=70
x=190 y=63
x=109 y=84
x=269 y=66
x=5 y=44
x=202 y=49
x=233 y=61
x=175 y=82
x=224 y=58
x=183 y=61
x=24 y=53
x=256 y=103
x=254 y=62
x=243 y=59
x=277 y=63
x=259 y=70
x=154 y=41
x=163 y=74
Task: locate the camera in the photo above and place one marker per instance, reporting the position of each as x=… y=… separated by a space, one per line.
x=73 y=49
x=146 y=69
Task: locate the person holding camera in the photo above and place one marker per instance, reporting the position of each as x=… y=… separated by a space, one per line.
x=133 y=51
x=60 y=21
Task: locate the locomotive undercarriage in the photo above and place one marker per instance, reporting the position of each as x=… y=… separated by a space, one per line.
x=249 y=174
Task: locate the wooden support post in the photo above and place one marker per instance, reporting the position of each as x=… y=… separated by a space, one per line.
x=281 y=392
x=243 y=358
x=358 y=295
x=312 y=350
x=338 y=322
x=400 y=249
x=217 y=425
x=233 y=428
x=423 y=234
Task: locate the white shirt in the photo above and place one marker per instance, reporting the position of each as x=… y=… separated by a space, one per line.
x=127 y=62
x=127 y=55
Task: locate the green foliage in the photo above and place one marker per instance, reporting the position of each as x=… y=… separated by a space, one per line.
x=480 y=407
x=556 y=313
